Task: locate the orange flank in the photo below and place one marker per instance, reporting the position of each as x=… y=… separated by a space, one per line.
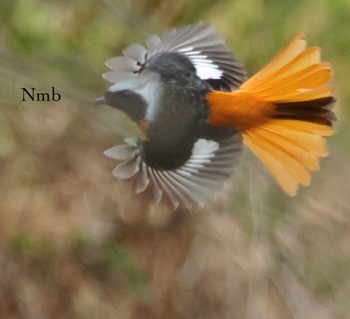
x=283 y=112
x=240 y=108
x=143 y=125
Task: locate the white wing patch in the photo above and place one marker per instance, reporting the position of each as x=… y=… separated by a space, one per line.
x=196 y=182
x=200 y=43
x=205 y=67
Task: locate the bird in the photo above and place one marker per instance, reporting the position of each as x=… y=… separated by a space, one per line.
x=197 y=109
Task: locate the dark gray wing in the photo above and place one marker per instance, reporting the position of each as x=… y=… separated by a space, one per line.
x=196 y=182
x=207 y=51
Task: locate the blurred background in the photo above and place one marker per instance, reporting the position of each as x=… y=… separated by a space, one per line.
x=76 y=243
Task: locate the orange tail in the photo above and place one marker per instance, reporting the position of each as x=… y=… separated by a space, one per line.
x=283 y=113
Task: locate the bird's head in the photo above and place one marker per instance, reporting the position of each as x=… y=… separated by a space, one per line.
x=132 y=95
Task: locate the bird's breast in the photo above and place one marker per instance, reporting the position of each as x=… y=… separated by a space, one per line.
x=174 y=123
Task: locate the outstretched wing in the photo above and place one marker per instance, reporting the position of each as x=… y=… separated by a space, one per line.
x=195 y=182
x=206 y=50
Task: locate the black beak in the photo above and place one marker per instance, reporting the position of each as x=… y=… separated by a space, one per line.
x=100 y=100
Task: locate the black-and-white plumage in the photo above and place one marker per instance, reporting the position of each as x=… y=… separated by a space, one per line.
x=205 y=49
x=163 y=88
x=196 y=181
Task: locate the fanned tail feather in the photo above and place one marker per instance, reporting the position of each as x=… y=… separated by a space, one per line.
x=289 y=149
x=295 y=74
x=283 y=112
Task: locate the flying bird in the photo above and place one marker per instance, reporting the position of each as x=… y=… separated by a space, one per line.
x=196 y=108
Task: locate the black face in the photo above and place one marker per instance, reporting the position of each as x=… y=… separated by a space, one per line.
x=129 y=102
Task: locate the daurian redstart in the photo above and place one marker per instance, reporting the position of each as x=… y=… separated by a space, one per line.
x=196 y=108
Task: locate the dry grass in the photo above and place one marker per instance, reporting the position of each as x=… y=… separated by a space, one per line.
x=78 y=244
